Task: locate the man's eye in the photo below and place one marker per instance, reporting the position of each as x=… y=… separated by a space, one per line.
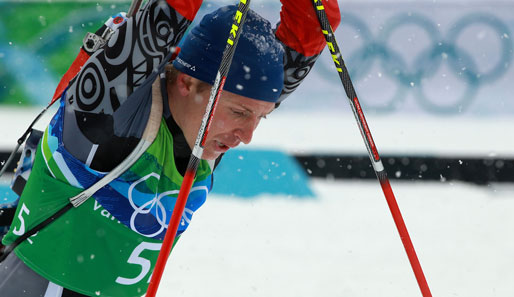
x=239 y=112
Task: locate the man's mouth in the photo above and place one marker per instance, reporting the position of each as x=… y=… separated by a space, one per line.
x=222 y=146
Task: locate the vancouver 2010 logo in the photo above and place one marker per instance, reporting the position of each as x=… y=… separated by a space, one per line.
x=156 y=208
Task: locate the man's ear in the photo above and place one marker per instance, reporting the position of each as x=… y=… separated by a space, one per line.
x=184 y=84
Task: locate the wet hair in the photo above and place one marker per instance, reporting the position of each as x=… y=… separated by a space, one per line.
x=172 y=74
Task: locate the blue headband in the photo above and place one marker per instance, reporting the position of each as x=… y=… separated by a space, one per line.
x=257 y=69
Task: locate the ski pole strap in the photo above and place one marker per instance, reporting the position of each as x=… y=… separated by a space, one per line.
x=134 y=7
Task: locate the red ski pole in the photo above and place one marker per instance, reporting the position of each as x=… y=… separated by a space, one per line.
x=370 y=145
x=196 y=155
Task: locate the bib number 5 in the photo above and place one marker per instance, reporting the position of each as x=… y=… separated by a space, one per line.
x=136 y=259
x=21 y=231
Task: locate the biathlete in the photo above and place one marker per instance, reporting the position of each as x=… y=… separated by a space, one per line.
x=108 y=245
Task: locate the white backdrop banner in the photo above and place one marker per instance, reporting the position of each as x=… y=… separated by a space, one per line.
x=433 y=58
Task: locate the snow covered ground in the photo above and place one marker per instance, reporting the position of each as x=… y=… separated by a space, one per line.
x=345 y=243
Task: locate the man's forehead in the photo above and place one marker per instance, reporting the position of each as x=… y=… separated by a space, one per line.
x=250 y=104
x=258 y=107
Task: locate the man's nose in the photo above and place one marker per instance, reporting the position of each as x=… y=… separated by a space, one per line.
x=245 y=132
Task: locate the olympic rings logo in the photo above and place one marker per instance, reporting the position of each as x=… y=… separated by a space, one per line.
x=442 y=50
x=161 y=214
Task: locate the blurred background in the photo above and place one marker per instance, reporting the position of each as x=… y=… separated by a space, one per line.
x=298 y=212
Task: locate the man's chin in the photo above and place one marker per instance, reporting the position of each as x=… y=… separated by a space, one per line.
x=213 y=151
x=210 y=156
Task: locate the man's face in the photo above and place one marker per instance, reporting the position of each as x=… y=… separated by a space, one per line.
x=235 y=119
